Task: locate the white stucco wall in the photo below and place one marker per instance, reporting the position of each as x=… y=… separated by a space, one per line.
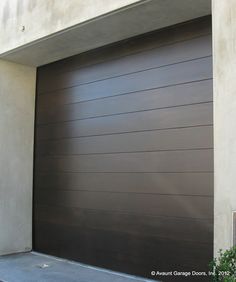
x=17 y=95
x=45 y=17
x=224 y=51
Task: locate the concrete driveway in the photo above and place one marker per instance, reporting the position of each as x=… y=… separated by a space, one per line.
x=34 y=267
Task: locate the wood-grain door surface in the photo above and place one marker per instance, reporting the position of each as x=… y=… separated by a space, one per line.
x=124 y=154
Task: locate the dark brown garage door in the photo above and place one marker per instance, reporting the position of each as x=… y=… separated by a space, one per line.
x=124 y=159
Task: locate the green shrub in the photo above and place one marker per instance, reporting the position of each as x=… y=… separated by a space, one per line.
x=224 y=267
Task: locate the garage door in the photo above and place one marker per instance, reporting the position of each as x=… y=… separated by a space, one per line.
x=124 y=154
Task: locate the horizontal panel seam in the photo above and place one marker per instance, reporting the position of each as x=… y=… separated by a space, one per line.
x=126 y=172
x=124 y=132
x=125 y=152
x=49 y=189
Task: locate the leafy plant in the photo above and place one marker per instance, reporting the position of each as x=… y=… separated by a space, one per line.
x=223 y=268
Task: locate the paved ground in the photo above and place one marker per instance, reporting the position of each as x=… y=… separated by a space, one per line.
x=34 y=267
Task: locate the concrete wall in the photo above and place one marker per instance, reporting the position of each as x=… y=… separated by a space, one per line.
x=224 y=51
x=42 y=18
x=17 y=95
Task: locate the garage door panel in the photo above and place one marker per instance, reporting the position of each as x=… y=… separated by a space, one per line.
x=196 y=92
x=183 y=116
x=111 y=250
x=187 y=93
x=185 y=229
x=170 y=139
x=138 y=245
x=161 y=205
x=167 y=161
x=192 y=70
x=175 y=53
x=198 y=183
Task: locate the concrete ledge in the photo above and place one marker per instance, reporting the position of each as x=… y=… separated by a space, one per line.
x=132 y=20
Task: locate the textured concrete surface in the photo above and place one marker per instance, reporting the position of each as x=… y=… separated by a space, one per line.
x=224 y=50
x=33 y=267
x=17 y=95
x=42 y=18
x=67 y=28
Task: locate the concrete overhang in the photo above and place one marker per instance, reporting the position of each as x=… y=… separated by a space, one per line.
x=132 y=20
